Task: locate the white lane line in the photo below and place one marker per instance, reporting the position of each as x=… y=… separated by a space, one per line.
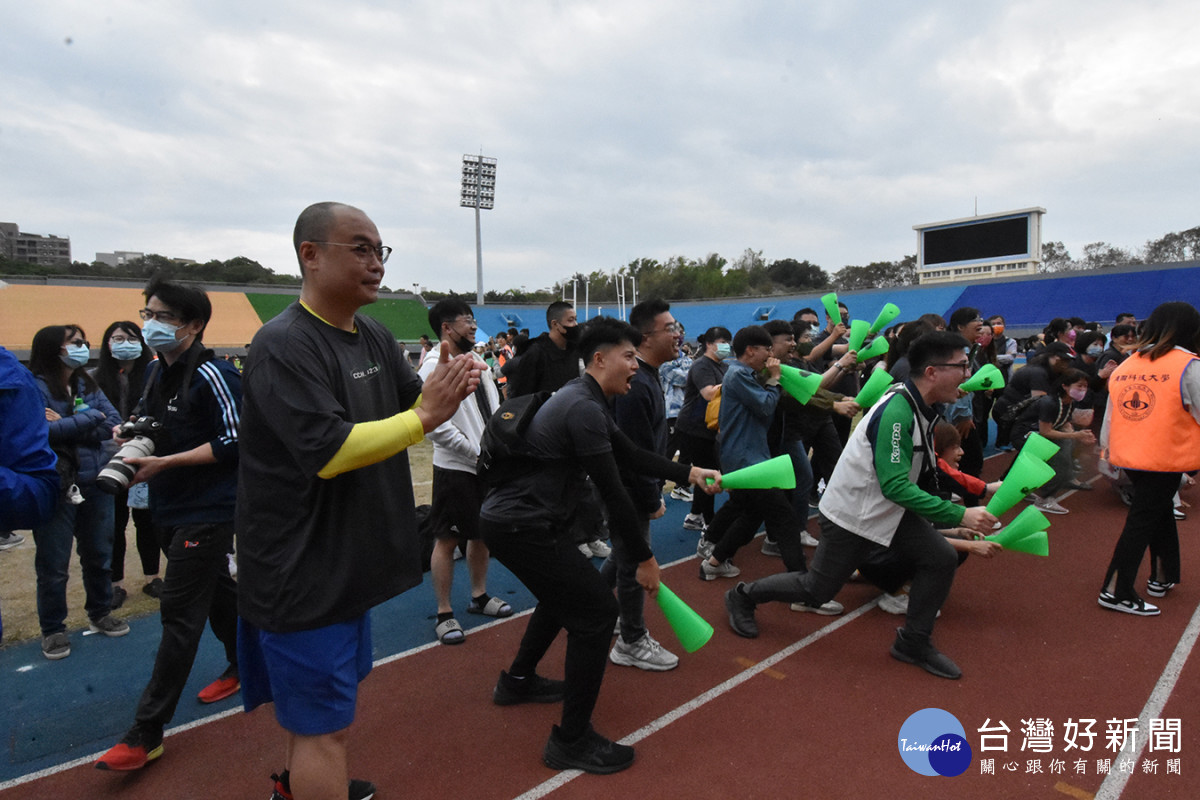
x=1114 y=784
x=566 y=776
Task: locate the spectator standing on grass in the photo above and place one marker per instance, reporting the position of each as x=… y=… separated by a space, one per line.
x=80 y=419
x=1152 y=431
x=325 y=516
x=28 y=477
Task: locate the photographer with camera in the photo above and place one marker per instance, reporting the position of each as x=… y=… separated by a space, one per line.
x=193 y=484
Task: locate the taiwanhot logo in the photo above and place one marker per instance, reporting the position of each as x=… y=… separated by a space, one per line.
x=933 y=742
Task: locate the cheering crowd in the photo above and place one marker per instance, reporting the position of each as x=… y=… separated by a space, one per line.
x=543 y=449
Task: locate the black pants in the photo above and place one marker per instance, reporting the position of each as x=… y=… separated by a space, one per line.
x=197 y=587
x=699 y=451
x=826 y=449
x=571 y=595
x=746 y=509
x=145 y=535
x=1149 y=523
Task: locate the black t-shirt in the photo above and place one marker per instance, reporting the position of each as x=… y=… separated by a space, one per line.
x=314 y=552
x=704 y=372
x=1026 y=380
x=1045 y=409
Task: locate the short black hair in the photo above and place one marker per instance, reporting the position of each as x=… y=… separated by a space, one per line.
x=934 y=348
x=806 y=310
x=750 y=336
x=1067 y=377
x=1123 y=329
x=313 y=225
x=962 y=317
x=189 y=302
x=447 y=310
x=777 y=327
x=557 y=310
x=642 y=315
x=601 y=333
x=1125 y=314
x=716 y=332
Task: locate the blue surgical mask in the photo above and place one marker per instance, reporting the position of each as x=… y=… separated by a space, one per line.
x=126 y=351
x=724 y=350
x=160 y=336
x=1095 y=350
x=77 y=355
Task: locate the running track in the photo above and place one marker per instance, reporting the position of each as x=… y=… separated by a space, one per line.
x=811 y=708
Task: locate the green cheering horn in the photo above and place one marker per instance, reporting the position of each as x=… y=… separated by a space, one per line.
x=831 y=307
x=1025 y=475
x=1026 y=533
x=886 y=314
x=987 y=377
x=875 y=348
x=876 y=385
x=692 y=630
x=1039 y=447
x=798 y=384
x=774 y=473
x=859 y=329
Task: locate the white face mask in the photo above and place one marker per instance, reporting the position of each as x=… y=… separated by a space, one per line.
x=1077 y=393
x=77 y=355
x=160 y=336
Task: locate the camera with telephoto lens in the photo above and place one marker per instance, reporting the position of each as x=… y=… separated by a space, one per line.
x=141 y=433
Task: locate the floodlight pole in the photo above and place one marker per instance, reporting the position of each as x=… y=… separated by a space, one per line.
x=478 y=192
x=478 y=257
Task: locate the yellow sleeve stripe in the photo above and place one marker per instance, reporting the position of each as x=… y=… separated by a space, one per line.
x=374 y=441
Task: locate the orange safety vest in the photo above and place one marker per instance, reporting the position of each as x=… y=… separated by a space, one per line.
x=1150 y=428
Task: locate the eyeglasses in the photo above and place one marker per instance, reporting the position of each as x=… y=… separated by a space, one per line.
x=78 y=343
x=964 y=366
x=169 y=317
x=121 y=339
x=364 y=250
x=469 y=321
x=671 y=327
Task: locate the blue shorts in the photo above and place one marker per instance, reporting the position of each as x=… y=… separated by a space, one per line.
x=311 y=676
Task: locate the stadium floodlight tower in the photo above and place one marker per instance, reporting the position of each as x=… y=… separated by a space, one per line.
x=478 y=192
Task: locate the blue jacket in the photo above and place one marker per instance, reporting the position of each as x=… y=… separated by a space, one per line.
x=747 y=410
x=83 y=430
x=210 y=414
x=28 y=477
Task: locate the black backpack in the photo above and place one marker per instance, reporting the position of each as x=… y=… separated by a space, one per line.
x=502 y=452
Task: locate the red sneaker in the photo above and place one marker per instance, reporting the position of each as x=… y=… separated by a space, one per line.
x=219 y=689
x=133 y=752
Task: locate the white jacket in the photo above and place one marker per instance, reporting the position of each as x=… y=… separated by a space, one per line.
x=456 y=441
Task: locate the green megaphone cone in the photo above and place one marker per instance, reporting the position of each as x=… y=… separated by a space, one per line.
x=774 y=473
x=798 y=384
x=830 y=302
x=1025 y=475
x=1039 y=447
x=987 y=377
x=876 y=385
x=886 y=314
x=875 y=348
x=1028 y=522
x=859 y=328
x=692 y=630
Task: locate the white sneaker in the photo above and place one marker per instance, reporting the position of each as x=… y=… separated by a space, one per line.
x=704 y=548
x=694 y=522
x=680 y=493
x=807 y=539
x=723 y=570
x=894 y=603
x=596 y=549
x=646 y=653
x=830 y=609
x=1048 y=505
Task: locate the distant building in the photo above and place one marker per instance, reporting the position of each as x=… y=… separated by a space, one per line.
x=977 y=248
x=119 y=258
x=33 y=248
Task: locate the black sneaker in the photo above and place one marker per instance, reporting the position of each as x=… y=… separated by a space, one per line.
x=590 y=753
x=119 y=596
x=741 y=612
x=356 y=790
x=535 y=689
x=912 y=649
x=1136 y=606
x=1158 y=588
x=154 y=588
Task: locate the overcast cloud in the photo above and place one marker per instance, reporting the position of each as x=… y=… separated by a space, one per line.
x=622 y=129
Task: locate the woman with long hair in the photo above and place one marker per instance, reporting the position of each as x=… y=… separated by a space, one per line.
x=80 y=418
x=123 y=360
x=1152 y=428
x=1053 y=416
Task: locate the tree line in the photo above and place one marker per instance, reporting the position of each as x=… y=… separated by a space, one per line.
x=676 y=278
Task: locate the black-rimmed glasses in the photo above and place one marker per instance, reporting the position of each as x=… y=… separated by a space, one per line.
x=364 y=250
x=169 y=317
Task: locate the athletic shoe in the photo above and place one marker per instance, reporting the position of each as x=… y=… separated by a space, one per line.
x=1048 y=505
x=646 y=653
x=808 y=540
x=136 y=750
x=1126 y=494
x=724 y=570
x=918 y=650
x=590 y=753
x=830 y=609
x=694 y=522
x=9 y=540
x=741 y=612
x=356 y=789
x=1180 y=514
x=109 y=626
x=681 y=493
x=1158 y=588
x=1080 y=487
x=535 y=689
x=770 y=547
x=1137 y=606
x=118 y=598
x=894 y=603
x=704 y=548
x=595 y=549
x=56 y=646
x=154 y=588
x=225 y=686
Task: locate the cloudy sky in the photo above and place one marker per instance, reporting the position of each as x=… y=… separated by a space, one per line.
x=820 y=130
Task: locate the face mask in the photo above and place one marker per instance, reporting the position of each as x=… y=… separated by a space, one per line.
x=571 y=334
x=724 y=350
x=998 y=328
x=1071 y=334
x=160 y=336
x=984 y=340
x=1095 y=350
x=1077 y=393
x=804 y=348
x=464 y=344
x=77 y=355
x=126 y=351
